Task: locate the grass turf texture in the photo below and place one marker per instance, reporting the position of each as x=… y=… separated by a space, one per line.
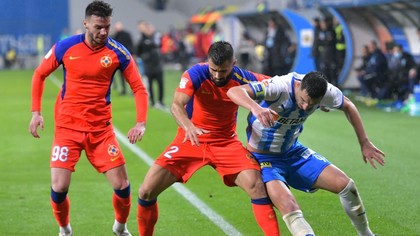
x=390 y=193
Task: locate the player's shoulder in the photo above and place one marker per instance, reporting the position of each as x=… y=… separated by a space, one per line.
x=62 y=46
x=118 y=48
x=67 y=43
x=244 y=76
x=198 y=72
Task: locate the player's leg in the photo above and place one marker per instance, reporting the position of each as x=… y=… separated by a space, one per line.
x=121 y=199
x=336 y=181
x=104 y=153
x=60 y=203
x=155 y=182
x=285 y=202
x=65 y=154
x=250 y=181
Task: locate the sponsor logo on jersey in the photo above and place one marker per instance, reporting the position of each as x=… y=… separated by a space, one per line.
x=106 y=61
x=291 y=121
x=73 y=58
x=265 y=164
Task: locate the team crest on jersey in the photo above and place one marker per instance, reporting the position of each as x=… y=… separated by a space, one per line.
x=113 y=150
x=106 y=61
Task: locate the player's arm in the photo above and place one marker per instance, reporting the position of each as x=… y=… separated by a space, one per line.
x=132 y=76
x=47 y=66
x=369 y=151
x=181 y=117
x=244 y=96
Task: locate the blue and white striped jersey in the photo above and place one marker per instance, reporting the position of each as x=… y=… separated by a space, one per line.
x=277 y=93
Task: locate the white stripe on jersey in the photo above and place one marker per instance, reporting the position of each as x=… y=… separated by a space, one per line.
x=279 y=96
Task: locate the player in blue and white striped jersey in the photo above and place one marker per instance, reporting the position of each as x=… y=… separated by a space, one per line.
x=279 y=106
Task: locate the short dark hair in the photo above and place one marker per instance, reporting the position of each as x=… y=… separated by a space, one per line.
x=220 y=52
x=98 y=8
x=315 y=84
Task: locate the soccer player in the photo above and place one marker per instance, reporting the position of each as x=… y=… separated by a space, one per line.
x=83 y=112
x=206 y=136
x=274 y=125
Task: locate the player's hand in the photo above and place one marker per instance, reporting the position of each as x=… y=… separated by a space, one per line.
x=372 y=154
x=192 y=134
x=266 y=116
x=136 y=133
x=37 y=120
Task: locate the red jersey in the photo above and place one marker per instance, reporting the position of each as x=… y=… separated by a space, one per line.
x=210 y=108
x=83 y=102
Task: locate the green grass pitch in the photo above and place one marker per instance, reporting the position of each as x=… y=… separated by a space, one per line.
x=390 y=193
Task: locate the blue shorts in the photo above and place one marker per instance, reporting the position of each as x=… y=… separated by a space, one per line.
x=299 y=168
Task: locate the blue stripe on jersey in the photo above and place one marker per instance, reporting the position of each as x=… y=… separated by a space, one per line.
x=122 y=53
x=242 y=76
x=198 y=74
x=62 y=46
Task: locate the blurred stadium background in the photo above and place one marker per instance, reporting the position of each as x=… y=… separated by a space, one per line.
x=32 y=26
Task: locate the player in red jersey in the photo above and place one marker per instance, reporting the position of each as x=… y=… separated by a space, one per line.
x=207 y=136
x=83 y=112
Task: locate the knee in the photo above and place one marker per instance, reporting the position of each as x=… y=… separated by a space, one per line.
x=146 y=193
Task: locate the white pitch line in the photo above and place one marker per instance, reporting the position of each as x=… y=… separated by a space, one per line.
x=217 y=219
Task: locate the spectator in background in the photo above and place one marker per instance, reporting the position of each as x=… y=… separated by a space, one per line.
x=361 y=70
x=10 y=58
x=315 y=43
x=148 y=49
x=340 y=45
x=376 y=70
x=276 y=45
x=401 y=67
x=124 y=37
x=327 y=51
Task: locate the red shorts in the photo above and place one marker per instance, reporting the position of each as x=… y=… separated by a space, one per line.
x=101 y=148
x=228 y=157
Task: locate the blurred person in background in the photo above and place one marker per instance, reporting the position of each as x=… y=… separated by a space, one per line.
x=207 y=136
x=276 y=46
x=327 y=51
x=361 y=70
x=376 y=72
x=315 y=43
x=83 y=119
x=148 y=49
x=124 y=37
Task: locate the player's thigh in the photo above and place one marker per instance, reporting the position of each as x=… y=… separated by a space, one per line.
x=230 y=159
x=103 y=150
x=182 y=159
x=332 y=179
x=155 y=182
x=118 y=177
x=66 y=148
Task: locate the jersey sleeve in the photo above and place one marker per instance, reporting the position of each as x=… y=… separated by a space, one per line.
x=186 y=85
x=268 y=89
x=333 y=98
x=47 y=66
x=133 y=77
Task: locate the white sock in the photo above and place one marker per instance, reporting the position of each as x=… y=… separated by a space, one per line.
x=353 y=205
x=66 y=229
x=297 y=225
x=118 y=227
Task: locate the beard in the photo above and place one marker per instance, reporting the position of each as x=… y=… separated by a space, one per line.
x=220 y=82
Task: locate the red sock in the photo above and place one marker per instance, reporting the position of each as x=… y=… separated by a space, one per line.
x=121 y=208
x=61 y=211
x=266 y=219
x=146 y=219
